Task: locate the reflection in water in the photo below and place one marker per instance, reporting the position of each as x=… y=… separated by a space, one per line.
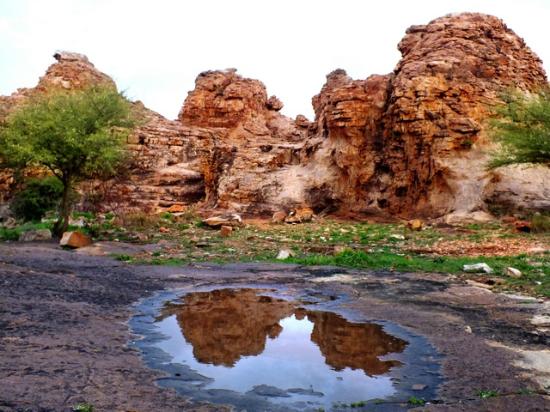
x=242 y=339
x=224 y=325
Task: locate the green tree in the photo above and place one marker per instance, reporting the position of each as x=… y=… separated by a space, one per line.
x=76 y=135
x=522 y=127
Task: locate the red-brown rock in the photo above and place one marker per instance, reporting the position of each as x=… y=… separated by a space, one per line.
x=75 y=240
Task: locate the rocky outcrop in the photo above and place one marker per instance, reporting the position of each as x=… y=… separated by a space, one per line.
x=410 y=143
x=253 y=141
x=414 y=142
x=435 y=146
x=167 y=165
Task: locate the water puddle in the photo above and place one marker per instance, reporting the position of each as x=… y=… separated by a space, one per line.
x=255 y=350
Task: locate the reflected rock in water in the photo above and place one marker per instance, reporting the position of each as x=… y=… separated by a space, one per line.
x=353 y=345
x=224 y=325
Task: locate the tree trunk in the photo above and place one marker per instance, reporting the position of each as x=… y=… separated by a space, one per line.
x=64 y=211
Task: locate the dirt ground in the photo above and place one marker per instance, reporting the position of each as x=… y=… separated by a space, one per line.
x=64 y=333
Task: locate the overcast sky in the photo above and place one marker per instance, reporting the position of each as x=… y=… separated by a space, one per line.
x=154 y=49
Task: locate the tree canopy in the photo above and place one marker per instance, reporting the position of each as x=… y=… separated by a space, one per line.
x=74 y=134
x=522 y=128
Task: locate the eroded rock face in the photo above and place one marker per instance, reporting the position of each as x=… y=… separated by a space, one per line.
x=253 y=140
x=434 y=141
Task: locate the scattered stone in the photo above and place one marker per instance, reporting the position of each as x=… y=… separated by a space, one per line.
x=397 y=237
x=301 y=215
x=278 y=217
x=225 y=220
x=176 y=209
x=467 y=329
x=163 y=229
x=225 y=231
x=471 y=217
x=536 y=250
x=75 y=240
x=35 y=235
x=415 y=224
x=9 y=223
x=477 y=267
x=513 y=272
x=284 y=254
x=80 y=222
x=419 y=387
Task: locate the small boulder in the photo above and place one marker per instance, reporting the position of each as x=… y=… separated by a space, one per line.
x=419 y=387
x=9 y=223
x=225 y=231
x=397 y=237
x=35 y=235
x=75 y=240
x=512 y=272
x=478 y=216
x=300 y=215
x=477 y=268
x=176 y=209
x=80 y=222
x=284 y=254
x=278 y=217
x=225 y=220
x=415 y=224
x=163 y=229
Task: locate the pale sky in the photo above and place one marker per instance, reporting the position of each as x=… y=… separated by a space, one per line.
x=154 y=49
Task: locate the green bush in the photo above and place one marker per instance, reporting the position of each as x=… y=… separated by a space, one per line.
x=540 y=223
x=523 y=130
x=38 y=197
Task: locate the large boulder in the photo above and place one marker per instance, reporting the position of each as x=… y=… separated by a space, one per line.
x=434 y=140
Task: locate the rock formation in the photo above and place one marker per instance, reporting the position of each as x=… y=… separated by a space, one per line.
x=414 y=142
x=435 y=146
x=410 y=143
x=254 y=140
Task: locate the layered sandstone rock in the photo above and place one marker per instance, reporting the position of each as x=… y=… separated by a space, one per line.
x=254 y=140
x=434 y=141
x=414 y=142
x=410 y=143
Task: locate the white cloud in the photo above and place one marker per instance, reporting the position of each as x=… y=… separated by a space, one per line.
x=155 y=49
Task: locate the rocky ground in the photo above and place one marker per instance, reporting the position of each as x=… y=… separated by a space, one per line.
x=64 y=332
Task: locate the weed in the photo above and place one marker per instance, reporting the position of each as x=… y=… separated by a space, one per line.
x=484 y=394
x=123 y=258
x=413 y=400
x=83 y=407
x=540 y=223
x=9 y=234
